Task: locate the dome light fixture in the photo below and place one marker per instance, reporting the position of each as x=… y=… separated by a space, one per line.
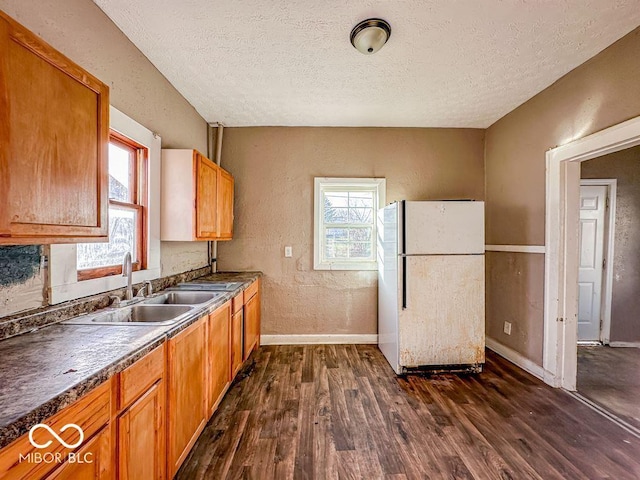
x=370 y=35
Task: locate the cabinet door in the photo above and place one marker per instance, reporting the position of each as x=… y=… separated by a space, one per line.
x=251 y=324
x=219 y=354
x=186 y=392
x=141 y=437
x=91 y=462
x=206 y=198
x=237 y=333
x=225 y=205
x=54 y=146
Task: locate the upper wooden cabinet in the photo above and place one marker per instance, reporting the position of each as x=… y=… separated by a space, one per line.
x=225 y=205
x=197 y=198
x=54 y=136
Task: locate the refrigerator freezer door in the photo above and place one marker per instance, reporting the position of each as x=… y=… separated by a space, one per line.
x=443 y=228
x=388 y=284
x=443 y=323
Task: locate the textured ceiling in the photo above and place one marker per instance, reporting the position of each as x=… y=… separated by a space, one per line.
x=448 y=63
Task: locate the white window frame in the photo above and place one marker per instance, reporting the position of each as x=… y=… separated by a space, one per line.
x=63 y=271
x=322 y=184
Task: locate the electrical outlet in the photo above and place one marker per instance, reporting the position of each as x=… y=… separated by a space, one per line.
x=288 y=251
x=507 y=328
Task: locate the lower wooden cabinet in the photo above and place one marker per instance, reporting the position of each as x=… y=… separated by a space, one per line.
x=91 y=413
x=251 y=319
x=237 y=335
x=142 y=423
x=186 y=395
x=141 y=450
x=218 y=355
x=141 y=438
x=93 y=461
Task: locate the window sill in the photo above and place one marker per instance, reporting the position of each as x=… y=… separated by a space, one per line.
x=372 y=266
x=85 y=288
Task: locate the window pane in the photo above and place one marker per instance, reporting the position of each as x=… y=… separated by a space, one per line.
x=119 y=173
x=337 y=234
x=122 y=239
x=336 y=215
x=361 y=215
x=360 y=234
x=361 y=199
x=337 y=199
x=360 y=250
x=335 y=250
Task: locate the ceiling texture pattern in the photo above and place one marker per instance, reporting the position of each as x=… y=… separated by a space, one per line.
x=448 y=63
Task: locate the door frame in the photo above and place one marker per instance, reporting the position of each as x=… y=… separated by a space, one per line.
x=608 y=247
x=560 y=350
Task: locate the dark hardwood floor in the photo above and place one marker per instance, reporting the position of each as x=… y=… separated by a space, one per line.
x=610 y=377
x=339 y=411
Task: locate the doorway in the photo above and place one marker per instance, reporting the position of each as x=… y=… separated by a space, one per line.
x=596 y=253
x=607 y=376
x=562 y=220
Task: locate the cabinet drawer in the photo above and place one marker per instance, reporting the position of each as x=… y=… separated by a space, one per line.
x=90 y=413
x=250 y=291
x=95 y=461
x=136 y=379
x=238 y=302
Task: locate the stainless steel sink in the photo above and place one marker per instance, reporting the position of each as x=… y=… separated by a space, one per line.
x=136 y=315
x=183 y=298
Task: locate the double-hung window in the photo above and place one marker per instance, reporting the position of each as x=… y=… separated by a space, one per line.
x=345 y=214
x=127 y=216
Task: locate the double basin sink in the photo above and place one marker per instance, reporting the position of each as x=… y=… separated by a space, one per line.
x=162 y=309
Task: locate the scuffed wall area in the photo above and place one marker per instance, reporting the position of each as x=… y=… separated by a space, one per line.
x=625 y=307
x=22 y=278
x=598 y=94
x=515 y=275
x=80 y=30
x=178 y=257
x=274 y=170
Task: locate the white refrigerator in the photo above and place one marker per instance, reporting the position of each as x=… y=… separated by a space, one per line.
x=431 y=285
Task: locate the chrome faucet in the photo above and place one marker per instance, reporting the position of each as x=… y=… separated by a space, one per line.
x=146 y=290
x=127 y=271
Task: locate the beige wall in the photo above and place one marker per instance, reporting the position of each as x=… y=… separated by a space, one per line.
x=274 y=170
x=625 y=307
x=80 y=30
x=602 y=92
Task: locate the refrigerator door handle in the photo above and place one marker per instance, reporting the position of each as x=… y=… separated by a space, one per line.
x=403 y=213
x=404 y=282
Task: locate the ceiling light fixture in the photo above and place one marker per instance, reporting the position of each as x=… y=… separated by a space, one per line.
x=370 y=35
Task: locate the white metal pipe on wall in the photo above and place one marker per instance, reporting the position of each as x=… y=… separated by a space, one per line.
x=214 y=151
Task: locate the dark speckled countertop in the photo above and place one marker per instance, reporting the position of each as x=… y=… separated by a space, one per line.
x=44 y=371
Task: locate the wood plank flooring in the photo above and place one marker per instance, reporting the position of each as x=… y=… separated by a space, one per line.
x=610 y=377
x=339 y=411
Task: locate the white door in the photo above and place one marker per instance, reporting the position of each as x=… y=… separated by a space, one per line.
x=593 y=200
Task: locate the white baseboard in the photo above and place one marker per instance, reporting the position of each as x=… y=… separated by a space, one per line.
x=318 y=339
x=625 y=344
x=516 y=358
